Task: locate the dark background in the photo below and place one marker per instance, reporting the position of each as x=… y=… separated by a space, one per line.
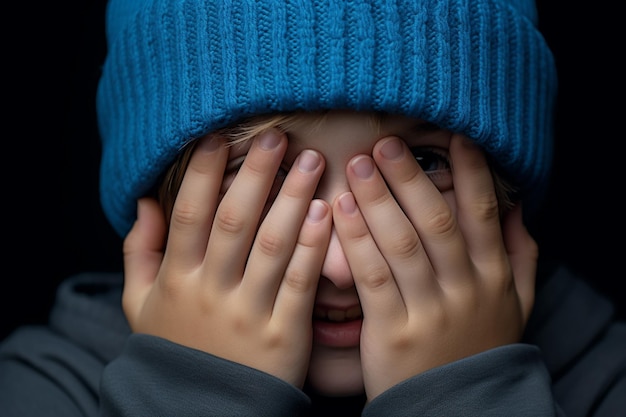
x=53 y=224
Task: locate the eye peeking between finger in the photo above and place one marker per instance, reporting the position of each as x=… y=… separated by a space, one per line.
x=435 y=162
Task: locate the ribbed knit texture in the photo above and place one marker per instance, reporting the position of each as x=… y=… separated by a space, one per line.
x=177 y=69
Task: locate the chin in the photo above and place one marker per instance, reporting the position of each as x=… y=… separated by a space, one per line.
x=336 y=372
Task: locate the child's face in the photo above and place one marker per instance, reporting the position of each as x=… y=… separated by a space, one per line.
x=335 y=361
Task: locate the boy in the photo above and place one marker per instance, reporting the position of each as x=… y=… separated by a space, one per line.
x=377 y=218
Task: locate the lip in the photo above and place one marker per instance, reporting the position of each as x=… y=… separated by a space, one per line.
x=337 y=326
x=337 y=334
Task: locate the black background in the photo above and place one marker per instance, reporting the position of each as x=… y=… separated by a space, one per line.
x=53 y=224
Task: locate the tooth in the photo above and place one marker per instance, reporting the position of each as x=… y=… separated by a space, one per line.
x=336 y=315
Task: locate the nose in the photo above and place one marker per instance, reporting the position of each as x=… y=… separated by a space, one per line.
x=335 y=267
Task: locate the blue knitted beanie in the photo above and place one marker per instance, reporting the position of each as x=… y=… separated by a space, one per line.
x=177 y=69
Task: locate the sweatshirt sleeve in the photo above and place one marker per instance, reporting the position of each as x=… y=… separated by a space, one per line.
x=44 y=374
x=506 y=381
x=156 y=377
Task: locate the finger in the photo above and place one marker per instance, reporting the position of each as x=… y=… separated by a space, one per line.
x=237 y=217
x=477 y=202
x=276 y=238
x=523 y=254
x=374 y=281
x=425 y=207
x=294 y=301
x=195 y=204
x=143 y=253
x=393 y=233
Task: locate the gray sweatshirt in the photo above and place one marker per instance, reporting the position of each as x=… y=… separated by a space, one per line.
x=86 y=362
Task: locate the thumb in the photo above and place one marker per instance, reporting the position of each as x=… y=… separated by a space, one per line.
x=143 y=253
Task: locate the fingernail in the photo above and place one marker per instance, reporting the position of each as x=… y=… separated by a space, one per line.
x=392 y=149
x=269 y=140
x=317 y=211
x=347 y=203
x=363 y=167
x=308 y=161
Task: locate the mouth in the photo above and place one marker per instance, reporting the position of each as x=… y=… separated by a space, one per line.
x=337 y=327
x=336 y=315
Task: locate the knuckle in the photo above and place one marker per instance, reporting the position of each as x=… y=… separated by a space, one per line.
x=442 y=223
x=275 y=338
x=382 y=198
x=486 y=208
x=376 y=277
x=402 y=341
x=228 y=221
x=292 y=190
x=405 y=245
x=185 y=213
x=499 y=282
x=256 y=167
x=199 y=167
x=270 y=243
x=240 y=322
x=312 y=242
x=170 y=289
x=504 y=282
x=298 y=282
